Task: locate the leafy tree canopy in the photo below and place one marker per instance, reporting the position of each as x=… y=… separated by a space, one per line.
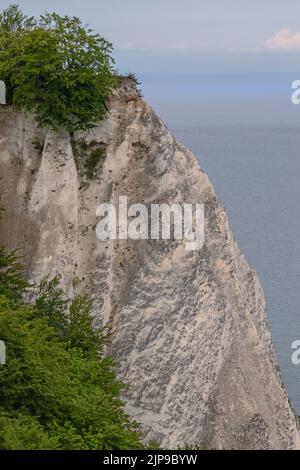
x=56 y=67
x=58 y=390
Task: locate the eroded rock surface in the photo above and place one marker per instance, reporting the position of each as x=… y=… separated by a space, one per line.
x=189 y=329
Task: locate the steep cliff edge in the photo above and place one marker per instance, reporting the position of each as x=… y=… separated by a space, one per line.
x=188 y=328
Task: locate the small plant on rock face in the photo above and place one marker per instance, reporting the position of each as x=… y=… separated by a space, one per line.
x=38 y=145
x=93 y=160
x=89 y=156
x=132 y=76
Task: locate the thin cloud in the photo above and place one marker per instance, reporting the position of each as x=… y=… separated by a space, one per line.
x=155 y=46
x=284 y=40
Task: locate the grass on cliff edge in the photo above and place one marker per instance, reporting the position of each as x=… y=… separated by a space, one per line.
x=57 y=389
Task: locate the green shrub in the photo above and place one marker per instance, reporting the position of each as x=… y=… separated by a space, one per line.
x=18 y=432
x=12 y=280
x=89 y=157
x=55 y=67
x=96 y=156
x=58 y=390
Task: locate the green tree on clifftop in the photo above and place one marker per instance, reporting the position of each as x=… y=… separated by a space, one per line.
x=55 y=67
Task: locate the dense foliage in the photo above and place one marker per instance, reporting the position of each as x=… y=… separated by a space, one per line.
x=56 y=67
x=57 y=390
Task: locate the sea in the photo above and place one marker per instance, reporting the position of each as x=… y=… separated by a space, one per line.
x=245 y=133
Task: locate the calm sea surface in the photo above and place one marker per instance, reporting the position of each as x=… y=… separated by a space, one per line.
x=246 y=135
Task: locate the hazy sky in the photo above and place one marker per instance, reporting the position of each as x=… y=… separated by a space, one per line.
x=192 y=35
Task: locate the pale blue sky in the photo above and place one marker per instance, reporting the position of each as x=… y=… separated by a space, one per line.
x=168 y=36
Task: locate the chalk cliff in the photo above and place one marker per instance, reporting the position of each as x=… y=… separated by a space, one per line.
x=189 y=330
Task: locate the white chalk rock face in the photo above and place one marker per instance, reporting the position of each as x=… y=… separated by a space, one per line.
x=52 y=210
x=189 y=330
